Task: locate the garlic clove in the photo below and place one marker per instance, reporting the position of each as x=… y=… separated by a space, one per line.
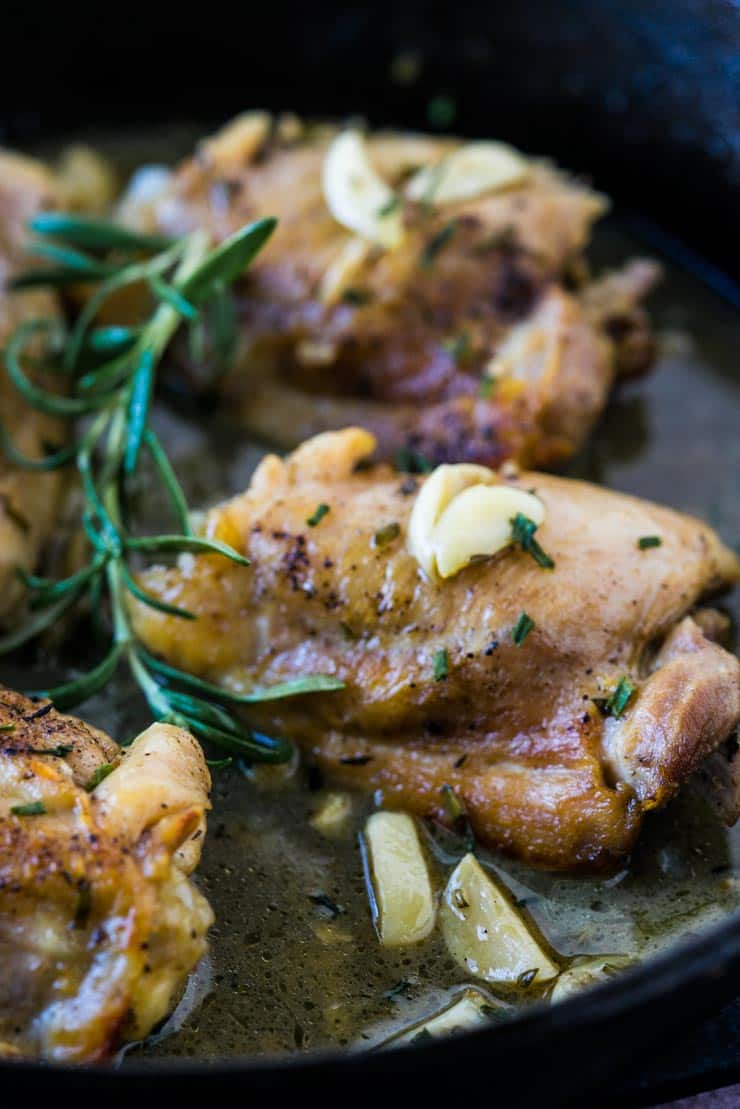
x=442 y=485
x=478 y=523
x=357 y=196
x=472 y=170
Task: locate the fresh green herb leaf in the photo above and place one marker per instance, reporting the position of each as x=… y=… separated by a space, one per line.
x=647 y=541
x=436 y=244
x=452 y=803
x=99 y=774
x=440 y=664
x=388 y=209
x=110 y=373
x=59 y=752
x=486 y=386
x=460 y=348
x=386 y=534
x=409 y=461
x=522 y=628
x=7 y=727
x=317 y=515
x=618 y=700
x=33 y=808
x=441 y=111
x=522 y=532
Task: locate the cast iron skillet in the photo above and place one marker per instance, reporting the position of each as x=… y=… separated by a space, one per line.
x=641 y=95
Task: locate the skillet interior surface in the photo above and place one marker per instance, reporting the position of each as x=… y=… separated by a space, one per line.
x=286 y=973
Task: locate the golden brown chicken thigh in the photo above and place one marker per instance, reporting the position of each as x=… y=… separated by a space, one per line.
x=476 y=336
x=515 y=727
x=99 y=922
x=29 y=502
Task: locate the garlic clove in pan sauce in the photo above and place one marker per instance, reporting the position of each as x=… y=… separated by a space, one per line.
x=357 y=196
x=398 y=880
x=471 y=171
x=587 y=971
x=486 y=934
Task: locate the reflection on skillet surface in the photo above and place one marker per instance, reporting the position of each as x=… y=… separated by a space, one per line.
x=294 y=961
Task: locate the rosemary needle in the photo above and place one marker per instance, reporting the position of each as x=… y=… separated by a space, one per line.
x=109 y=374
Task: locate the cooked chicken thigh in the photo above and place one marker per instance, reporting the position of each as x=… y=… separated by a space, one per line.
x=29 y=501
x=475 y=336
x=514 y=725
x=99 y=922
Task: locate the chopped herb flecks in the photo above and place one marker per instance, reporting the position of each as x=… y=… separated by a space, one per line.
x=7 y=727
x=437 y=243
x=485 y=387
x=440 y=665
x=522 y=532
x=98 y=776
x=386 y=534
x=34 y=808
x=318 y=515
x=460 y=348
x=522 y=628
x=59 y=752
x=389 y=208
x=452 y=803
x=412 y=462
x=617 y=702
x=647 y=541
x=441 y=111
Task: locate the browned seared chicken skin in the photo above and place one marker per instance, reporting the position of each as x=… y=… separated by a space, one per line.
x=29 y=501
x=516 y=730
x=99 y=922
x=337 y=330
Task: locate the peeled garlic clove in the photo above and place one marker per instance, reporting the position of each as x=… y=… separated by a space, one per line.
x=485 y=933
x=586 y=972
x=332 y=814
x=442 y=485
x=357 y=196
x=472 y=170
x=398 y=880
x=477 y=524
x=471 y=1009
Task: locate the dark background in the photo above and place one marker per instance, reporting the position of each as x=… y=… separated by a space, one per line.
x=642 y=96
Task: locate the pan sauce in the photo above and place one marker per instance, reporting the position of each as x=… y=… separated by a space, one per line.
x=294 y=963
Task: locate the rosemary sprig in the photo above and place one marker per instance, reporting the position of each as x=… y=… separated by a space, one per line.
x=107 y=376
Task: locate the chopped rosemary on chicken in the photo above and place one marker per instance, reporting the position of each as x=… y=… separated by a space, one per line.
x=33 y=808
x=440 y=665
x=522 y=532
x=106 y=376
x=317 y=515
x=617 y=702
x=522 y=628
x=647 y=541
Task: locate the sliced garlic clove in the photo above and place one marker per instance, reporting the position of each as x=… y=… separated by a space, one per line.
x=478 y=524
x=485 y=933
x=586 y=972
x=398 y=880
x=332 y=814
x=442 y=485
x=471 y=1009
x=472 y=170
x=357 y=196
x=344 y=269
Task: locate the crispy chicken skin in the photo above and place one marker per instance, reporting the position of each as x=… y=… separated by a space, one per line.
x=99 y=922
x=517 y=731
x=336 y=331
x=28 y=501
